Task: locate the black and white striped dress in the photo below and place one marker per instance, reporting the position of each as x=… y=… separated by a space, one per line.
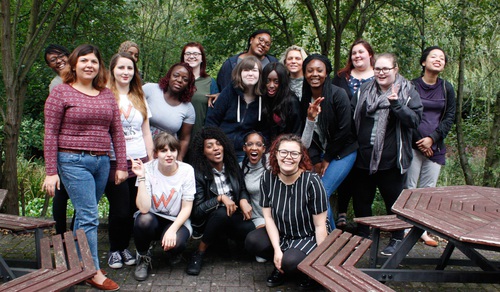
x=293 y=206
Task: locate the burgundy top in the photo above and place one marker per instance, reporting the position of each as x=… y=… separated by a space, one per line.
x=74 y=120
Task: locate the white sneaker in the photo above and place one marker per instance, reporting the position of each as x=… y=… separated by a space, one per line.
x=260 y=260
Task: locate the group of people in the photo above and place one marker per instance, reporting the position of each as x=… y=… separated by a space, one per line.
x=253 y=157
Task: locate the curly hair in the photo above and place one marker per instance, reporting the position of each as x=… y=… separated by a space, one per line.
x=203 y=65
x=187 y=94
x=349 y=66
x=244 y=164
x=69 y=76
x=135 y=93
x=200 y=162
x=305 y=161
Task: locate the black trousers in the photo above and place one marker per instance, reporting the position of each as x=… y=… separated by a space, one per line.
x=219 y=225
x=389 y=183
x=59 y=208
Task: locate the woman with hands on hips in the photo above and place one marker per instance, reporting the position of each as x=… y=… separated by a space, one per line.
x=166 y=189
x=81 y=120
x=294 y=205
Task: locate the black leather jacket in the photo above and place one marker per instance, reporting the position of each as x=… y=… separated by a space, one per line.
x=205 y=199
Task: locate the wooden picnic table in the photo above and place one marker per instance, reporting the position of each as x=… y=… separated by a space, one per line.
x=468 y=217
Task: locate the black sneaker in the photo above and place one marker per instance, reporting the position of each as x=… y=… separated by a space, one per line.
x=115 y=260
x=143 y=265
x=391 y=247
x=307 y=284
x=127 y=257
x=194 y=265
x=275 y=279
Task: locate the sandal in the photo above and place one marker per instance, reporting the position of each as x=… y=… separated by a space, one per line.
x=341 y=221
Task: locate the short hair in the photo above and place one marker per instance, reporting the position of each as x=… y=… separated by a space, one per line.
x=135 y=93
x=305 y=161
x=255 y=33
x=203 y=65
x=303 y=53
x=69 y=75
x=127 y=45
x=388 y=56
x=165 y=139
x=55 y=49
x=247 y=63
x=349 y=66
x=188 y=93
x=426 y=53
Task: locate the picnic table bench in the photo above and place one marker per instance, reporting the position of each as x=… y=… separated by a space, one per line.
x=60 y=268
x=332 y=264
x=468 y=217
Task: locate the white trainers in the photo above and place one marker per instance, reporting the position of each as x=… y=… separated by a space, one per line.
x=260 y=260
x=115 y=260
x=127 y=257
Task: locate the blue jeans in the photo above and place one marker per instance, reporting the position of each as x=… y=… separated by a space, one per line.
x=85 y=177
x=336 y=172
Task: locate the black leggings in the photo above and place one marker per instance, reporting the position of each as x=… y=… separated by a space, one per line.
x=59 y=208
x=149 y=227
x=259 y=244
x=121 y=211
x=219 y=225
x=389 y=183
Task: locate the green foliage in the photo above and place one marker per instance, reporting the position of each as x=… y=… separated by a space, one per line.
x=30 y=177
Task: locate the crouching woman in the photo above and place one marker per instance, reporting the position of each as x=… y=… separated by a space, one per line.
x=164 y=199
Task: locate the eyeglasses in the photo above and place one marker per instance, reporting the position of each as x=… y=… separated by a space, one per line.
x=250 y=144
x=196 y=54
x=263 y=42
x=284 y=153
x=53 y=60
x=383 y=70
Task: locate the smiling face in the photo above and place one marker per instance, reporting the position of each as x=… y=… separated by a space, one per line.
x=123 y=71
x=360 y=57
x=293 y=62
x=57 y=61
x=315 y=73
x=87 y=68
x=385 y=80
x=166 y=156
x=250 y=77
x=288 y=164
x=214 y=152
x=272 y=84
x=192 y=56
x=254 y=148
x=260 y=45
x=435 y=61
x=179 y=79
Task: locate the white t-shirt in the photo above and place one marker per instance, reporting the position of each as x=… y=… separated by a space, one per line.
x=132 y=121
x=166 y=118
x=168 y=192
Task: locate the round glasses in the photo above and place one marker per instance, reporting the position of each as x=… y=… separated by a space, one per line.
x=284 y=153
x=195 y=54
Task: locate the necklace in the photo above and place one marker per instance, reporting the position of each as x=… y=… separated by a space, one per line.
x=288 y=175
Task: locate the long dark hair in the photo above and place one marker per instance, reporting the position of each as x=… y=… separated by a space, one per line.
x=200 y=162
x=349 y=66
x=244 y=165
x=281 y=103
x=326 y=110
x=188 y=93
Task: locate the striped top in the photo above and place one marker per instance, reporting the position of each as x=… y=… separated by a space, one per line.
x=74 y=120
x=292 y=206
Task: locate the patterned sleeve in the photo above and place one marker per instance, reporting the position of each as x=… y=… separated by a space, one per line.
x=54 y=113
x=265 y=189
x=317 y=195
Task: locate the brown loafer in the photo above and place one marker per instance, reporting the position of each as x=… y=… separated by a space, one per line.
x=431 y=242
x=107 y=285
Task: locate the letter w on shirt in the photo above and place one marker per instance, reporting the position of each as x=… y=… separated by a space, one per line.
x=163 y=199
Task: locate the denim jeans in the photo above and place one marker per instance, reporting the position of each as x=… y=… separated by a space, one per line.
x=85 y=177
x=336 y=172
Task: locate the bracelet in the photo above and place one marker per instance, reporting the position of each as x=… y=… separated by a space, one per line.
x=142 y=178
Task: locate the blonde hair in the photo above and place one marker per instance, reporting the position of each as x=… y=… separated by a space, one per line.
x=293 y=48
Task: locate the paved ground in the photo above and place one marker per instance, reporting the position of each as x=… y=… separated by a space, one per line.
x=238 y=272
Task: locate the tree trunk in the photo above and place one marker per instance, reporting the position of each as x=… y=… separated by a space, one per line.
x=492 y=160
x=460 y=100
